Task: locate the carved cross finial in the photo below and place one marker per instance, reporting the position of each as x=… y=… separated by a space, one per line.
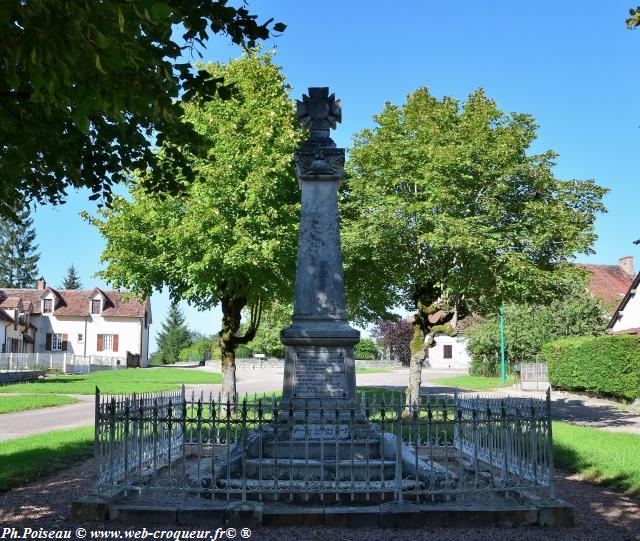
x=319 y=112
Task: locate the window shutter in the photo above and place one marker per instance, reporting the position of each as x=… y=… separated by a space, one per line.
x=99 y=342
x=115 y=342
x=65 y=338
x=47 y=346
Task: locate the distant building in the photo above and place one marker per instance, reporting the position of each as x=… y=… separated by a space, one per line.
x=82 y=322
x=626 y=316
x=610 y=283
x=448 y=351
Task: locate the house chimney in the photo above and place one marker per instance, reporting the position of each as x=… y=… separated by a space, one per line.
x=42 y=283
x=626 y=264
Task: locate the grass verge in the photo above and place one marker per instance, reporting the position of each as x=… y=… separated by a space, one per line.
x=371 y=370
x=609 y=458
x=12 y=404
x=473 y=383
x=132 y=380
x=26 y=459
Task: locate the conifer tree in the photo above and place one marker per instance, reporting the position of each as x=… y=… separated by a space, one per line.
x=172 y=337
x=18 y=253
x=71 y=280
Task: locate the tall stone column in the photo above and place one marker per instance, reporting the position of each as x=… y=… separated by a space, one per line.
x=319 y=361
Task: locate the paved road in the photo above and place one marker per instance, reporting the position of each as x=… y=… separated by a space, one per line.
x=572 y=408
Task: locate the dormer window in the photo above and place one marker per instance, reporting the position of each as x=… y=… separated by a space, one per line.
x=47 y=306
x=96 y=306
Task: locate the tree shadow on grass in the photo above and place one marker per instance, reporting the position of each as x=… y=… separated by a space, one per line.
x=31 y=463
x=567 y=459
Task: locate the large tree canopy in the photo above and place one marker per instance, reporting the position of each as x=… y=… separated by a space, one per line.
x=445 y=212
x=232 y=238
x=86 y=85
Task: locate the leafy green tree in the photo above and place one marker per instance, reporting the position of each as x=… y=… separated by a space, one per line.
x=87 y=86
x=232 y=238
x=445 y=212
x=529 y=327
x=18 y=252
x=366 y=349
x=71 y=280
x=634 y=18
x=172 y=338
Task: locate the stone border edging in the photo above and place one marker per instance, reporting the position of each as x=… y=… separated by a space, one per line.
x=387 y=515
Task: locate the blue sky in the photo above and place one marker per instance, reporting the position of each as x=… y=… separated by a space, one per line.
x=573 y=65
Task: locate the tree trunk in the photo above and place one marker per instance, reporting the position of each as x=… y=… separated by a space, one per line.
x=228 y=339
x=229 y=391
x=418 y=353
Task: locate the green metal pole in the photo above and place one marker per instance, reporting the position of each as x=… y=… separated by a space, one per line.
x=503 y=368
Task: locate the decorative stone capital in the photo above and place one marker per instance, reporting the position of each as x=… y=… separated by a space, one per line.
x=314 y=163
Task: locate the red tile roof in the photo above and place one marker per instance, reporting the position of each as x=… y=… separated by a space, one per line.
x=10 y=303
x=610 y=282
x=635 y=330
x=76 y=302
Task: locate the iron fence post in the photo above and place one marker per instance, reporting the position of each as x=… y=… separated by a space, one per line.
x=552 y=488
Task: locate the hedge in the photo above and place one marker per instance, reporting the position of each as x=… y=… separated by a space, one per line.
x=608 y=365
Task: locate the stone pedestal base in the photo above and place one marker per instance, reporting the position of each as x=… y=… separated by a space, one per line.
x=319 y=364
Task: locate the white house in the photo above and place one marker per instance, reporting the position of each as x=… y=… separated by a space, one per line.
x=626 y=318
x=17 y=331
x=82 y=322
x=449 y=352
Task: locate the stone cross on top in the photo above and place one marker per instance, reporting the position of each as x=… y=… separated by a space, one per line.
x=319 y=112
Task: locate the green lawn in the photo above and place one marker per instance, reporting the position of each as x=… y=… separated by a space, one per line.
x=132 y=380
x=10 y=404
x=26 y=459
x=473 y=383
x=371 y=370
x=610 y=458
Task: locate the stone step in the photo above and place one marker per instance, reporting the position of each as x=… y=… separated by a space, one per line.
x=325 y=450
x=300 y=469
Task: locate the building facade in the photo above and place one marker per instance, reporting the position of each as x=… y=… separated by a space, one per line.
x=80 y=322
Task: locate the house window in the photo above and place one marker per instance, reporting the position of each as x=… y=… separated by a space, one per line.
x=80 y=338
x=107 y=342
x=47 y=306
x=56 y=342
x=447 y=351
x=96 y=305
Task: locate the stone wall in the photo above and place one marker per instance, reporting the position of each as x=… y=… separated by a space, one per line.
x=278 y=364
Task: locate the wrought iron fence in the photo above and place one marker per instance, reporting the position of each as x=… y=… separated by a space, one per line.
x=441 y=448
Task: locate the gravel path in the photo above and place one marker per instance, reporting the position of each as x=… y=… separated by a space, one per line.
x=600 y=514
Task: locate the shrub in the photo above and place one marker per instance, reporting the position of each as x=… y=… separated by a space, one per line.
x=609 y=365
x=243 y=352
x=366 y=350
x=202 y=348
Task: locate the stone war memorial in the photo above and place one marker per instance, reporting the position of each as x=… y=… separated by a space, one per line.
x=323 y=452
